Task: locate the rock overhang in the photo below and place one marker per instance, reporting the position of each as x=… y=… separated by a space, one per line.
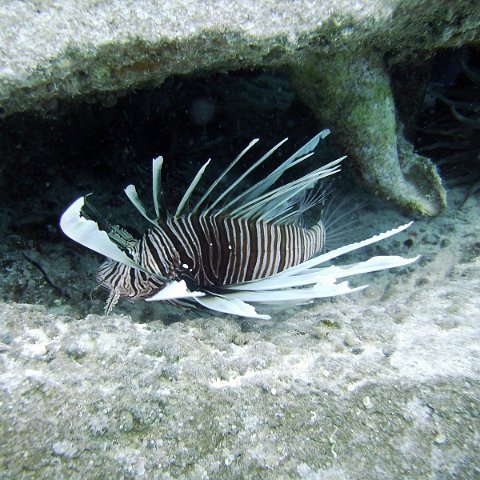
x=337 y=56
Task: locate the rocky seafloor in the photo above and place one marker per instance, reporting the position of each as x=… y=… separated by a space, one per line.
x=380 y=384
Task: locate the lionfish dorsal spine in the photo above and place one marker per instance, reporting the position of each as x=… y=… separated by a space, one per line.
x=132 y=195
x=157 y=164
x=262 y=186
x=249 y=170
x=191 y=188
x=221 y=176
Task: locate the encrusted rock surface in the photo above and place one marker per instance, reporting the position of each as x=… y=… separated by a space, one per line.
x=354 y=96
x=64 y=49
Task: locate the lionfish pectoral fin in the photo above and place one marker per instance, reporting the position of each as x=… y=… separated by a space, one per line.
x=87 y=233
x=174 y=290
x=325 y=257
x=307 y=281
x=324 y=288
x=374 y=264
x=233 y=306
x=315 y=275
x=112 y=300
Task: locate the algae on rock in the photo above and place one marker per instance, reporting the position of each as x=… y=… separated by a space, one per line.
x=352 y=95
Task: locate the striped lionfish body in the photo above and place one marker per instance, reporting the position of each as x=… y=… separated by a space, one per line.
x=208 y=251
x=245 y=246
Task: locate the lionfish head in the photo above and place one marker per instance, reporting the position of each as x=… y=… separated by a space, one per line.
x=124 y=281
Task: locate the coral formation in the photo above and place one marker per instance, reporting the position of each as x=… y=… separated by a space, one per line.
x=354 y=96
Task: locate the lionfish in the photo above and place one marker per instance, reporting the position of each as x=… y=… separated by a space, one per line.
x=242 y=246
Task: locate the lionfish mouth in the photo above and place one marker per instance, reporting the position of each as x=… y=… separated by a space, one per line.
x=243 y=246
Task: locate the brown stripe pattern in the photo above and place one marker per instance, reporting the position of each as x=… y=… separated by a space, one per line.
x=213 y=251
x=126 y=281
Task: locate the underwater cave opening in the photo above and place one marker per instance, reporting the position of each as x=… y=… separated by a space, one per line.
x=89 y=146
x=444 y=114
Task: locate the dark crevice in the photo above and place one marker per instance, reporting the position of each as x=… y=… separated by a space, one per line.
x=88 y=147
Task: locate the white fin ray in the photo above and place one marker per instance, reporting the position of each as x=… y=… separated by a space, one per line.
x=258 y=189
x=157 y=164
x=315 y=275
x=191 y=188
x=274 y=203
x=87 y=233
x=222 y=175
x=270 y=210
x=373 y=264
x=326 y=288
x=131 y=193
x=231 y=305
x=299 y=156
x=242 y=177
x=173 y=291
